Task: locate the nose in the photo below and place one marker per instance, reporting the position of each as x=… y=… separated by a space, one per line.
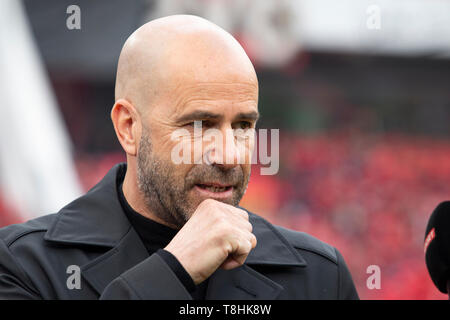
x=224 y=152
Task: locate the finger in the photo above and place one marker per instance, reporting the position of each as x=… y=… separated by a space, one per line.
x=241 y=224
x=253 y=240
x=241 y=213
x=243 y=249
x=229 y=264
x=236 y=211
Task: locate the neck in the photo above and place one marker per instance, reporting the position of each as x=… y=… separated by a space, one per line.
x=135 y=197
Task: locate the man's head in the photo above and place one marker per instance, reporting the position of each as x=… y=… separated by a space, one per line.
x=172 y=72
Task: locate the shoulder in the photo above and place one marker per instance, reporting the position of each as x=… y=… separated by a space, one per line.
x=321 y=255
x=307 y=243
x=15 y=232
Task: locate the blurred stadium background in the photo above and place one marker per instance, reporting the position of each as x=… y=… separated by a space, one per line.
x=359 y=90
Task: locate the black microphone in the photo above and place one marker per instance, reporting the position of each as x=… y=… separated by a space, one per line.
x=437 y=247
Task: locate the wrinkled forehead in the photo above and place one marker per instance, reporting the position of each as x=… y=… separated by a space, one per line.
x=218 y=97
x=224 y=99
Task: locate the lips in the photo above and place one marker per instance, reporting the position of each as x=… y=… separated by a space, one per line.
x=214 y=190
x=214 y=187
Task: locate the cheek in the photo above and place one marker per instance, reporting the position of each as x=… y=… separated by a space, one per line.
x=178 y=173
x=181 y=170
x=166 y=142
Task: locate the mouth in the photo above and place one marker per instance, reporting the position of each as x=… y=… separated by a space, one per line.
x=214 y=190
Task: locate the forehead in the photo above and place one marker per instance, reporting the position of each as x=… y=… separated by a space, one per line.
x=226 y=98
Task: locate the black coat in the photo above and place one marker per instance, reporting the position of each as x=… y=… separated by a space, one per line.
x=94 y=234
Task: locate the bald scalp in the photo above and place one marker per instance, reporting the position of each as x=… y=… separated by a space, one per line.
x=178 y=50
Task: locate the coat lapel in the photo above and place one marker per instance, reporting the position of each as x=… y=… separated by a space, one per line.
x=242 y=283
x=105 y=268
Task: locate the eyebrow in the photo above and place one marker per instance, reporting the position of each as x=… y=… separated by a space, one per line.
x=199 y=115
x=252 y=116
x=206 y=115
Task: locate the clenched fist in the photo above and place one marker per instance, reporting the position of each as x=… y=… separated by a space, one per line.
x=216 y=235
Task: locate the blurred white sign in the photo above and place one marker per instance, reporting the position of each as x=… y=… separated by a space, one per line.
x=273 y=30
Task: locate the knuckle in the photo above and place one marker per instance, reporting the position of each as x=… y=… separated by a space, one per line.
x=254 y=240
x=248 y=246
x=226 y=247
x=243 y=213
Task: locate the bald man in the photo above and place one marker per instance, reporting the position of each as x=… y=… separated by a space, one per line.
x=159 y=228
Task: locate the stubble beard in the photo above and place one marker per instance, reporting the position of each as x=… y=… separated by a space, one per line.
x=166 y=197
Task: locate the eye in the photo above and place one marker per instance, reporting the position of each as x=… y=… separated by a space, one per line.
x=208 y=123
x=192 y=123
x=204 y=124
x=243 y=125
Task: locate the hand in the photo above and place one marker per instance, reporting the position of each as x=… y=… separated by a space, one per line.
x=216 y=235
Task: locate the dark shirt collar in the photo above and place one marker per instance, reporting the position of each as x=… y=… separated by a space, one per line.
x=154 y=235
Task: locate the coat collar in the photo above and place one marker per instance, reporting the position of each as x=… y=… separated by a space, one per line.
x=97 y=219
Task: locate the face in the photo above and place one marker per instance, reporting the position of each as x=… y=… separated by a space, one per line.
x=227 y=112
